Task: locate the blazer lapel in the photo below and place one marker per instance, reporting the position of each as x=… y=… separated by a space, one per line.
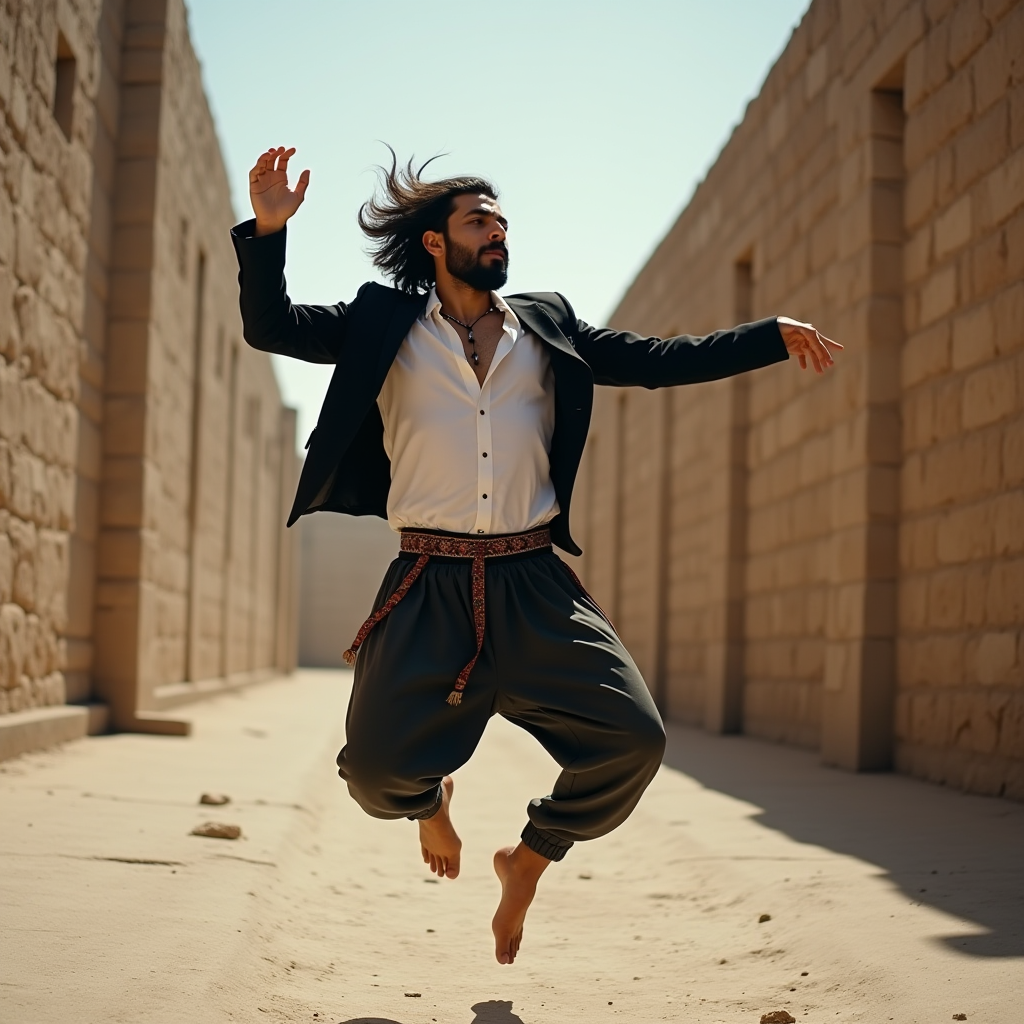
x=542 y=325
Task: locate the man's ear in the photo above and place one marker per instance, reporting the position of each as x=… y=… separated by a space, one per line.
x=433 y=242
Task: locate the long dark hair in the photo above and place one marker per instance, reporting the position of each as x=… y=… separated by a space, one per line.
x=406 y=206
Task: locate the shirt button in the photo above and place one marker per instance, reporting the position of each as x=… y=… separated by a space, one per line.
x=482 y=412
x=485 y=455
x=485 y=495
x=479 y=531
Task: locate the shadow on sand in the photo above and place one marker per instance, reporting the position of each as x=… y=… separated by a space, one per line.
x=961 y=854
x=494 y=1011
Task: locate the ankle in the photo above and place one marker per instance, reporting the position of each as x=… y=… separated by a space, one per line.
x=527 y=863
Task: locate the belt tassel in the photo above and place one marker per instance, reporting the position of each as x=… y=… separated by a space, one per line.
x=349 y=657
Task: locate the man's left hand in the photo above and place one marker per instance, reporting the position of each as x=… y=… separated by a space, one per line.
x=807 y=343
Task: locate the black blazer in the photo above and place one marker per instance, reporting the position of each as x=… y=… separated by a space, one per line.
x=346 y=469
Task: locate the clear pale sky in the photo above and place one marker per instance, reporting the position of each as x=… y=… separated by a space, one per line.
x=595 y=118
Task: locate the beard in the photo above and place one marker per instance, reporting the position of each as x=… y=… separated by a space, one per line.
x=462 y=262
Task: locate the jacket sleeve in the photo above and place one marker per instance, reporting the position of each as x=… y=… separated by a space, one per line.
x=624 y=359
x=270 y=320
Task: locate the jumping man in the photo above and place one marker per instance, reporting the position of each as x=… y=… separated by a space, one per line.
x=460 y=416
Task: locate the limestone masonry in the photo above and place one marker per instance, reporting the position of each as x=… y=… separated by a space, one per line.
x=839 y=563
x=145 y=456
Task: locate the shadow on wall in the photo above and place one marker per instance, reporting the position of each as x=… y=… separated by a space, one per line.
x=494 y=1011
x=961 y=854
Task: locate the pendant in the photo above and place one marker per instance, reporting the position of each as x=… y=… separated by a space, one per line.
x=476 y=359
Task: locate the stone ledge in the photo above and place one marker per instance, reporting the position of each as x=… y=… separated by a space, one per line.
x=174 y=695
x=24 y=731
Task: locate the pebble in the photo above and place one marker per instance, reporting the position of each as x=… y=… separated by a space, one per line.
x=217 y=830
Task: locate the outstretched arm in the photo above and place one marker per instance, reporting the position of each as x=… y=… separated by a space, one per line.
x=626 y=359
x=270 y=320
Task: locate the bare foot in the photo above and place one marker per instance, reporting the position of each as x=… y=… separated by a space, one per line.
x=518 y=869
x=439 y=843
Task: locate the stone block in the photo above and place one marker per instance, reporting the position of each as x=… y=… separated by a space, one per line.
x=996 y=662
x=135 y=191
x=1008 y=523
x=989 y=394
x=121 y=497
x=1013 y=453
x=1011 y=733
x=6 y=569
x=976 y=586
x=52 y=578
x=973 y=337
x=130 y=295
x=28 y=258
x=1008 y=318
x=7 y=230
x=929 y=719
x=1016 y=117
x=953 y=227
x=938 y=295
x=948 y=408
x=918 y=418
x=988 y=267
x=939 y=118
x=12 y=645
x=968 y=31
x=1001 y=193
x=979 y=459
x=142 y=66
x=946 y=600
x=927 y=354
x=1004 y=596
x=40 y=729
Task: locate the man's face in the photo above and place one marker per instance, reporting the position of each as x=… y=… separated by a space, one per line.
x=476 y=246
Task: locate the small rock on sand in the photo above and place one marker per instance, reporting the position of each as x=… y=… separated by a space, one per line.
x=215 y=799
x=959 y=1016
x=763 y=918
x=778 y=1017
x=217 y=830
x=413 y=995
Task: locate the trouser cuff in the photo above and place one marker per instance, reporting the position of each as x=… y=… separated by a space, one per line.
x=544 y=843
x=432 y=809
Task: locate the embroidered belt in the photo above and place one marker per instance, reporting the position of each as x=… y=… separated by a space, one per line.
x=457 y=546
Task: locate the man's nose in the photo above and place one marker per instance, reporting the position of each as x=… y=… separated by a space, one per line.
x=498 y=233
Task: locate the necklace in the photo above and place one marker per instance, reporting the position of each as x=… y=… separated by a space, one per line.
x=469 y=329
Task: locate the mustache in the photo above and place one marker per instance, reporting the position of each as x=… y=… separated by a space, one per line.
x=500 y=248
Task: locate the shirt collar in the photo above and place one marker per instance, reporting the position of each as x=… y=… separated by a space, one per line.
x=434 y=306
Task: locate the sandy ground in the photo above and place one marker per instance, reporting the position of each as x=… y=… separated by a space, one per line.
x=890 y=900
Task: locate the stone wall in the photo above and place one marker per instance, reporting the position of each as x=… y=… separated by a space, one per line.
x=145 y=456
x=838 y=563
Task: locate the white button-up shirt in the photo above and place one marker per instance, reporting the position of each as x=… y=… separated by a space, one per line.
x=466 y=457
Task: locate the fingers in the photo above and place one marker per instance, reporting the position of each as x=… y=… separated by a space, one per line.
x=283 y=157
x=260 y=167
x=275 y=158
x=302 y=184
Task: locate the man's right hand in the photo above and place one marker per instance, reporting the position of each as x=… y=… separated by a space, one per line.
x=273 y=201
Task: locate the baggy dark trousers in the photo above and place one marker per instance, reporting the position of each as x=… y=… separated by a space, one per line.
x=551 y=663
